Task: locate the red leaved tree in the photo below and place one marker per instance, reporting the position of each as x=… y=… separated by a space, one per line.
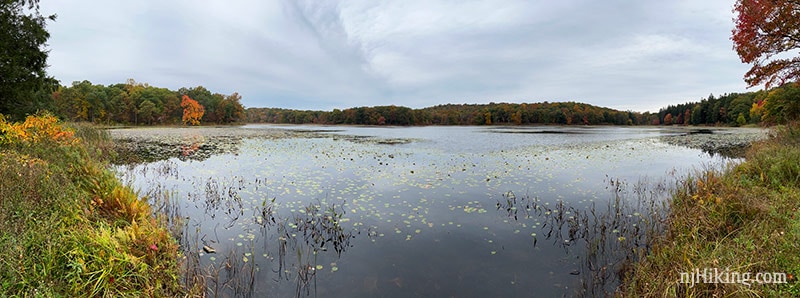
x=668 y=119
x=765 y=31
x=192 y=111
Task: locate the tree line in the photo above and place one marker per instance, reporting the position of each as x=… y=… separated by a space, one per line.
x=764 y=30
x=774 y=106
x=139 y=103
x=457 y=114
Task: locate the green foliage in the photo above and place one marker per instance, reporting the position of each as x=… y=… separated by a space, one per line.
x=782 y=104
x=147 y=111
x=138 y=103
x=23 y=58
x=741 y=106
x=776 y=106
x=740 y=120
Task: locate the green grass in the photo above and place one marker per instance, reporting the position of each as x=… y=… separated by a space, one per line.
x=69 y=227
x=745 y=218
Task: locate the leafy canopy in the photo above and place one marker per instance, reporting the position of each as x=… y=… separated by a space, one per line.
x=765 y=31
x=23 y=58
x=192 y=111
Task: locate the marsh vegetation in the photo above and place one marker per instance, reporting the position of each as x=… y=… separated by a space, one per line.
x=364 y=211
x=69 y=226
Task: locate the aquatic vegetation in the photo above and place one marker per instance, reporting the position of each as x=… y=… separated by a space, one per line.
x=416 y=216
x=607 y=240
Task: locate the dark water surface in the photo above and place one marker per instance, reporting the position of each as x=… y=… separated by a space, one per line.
x=424 y=213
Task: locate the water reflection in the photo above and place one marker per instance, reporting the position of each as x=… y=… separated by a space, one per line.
x=606 y=239
x=336 y=217
x=196 y=147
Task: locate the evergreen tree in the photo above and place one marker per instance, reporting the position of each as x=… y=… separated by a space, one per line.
x=23 y=58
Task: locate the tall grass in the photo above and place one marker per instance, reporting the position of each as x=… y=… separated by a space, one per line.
x=744 y=219
x=68 y=226
x=98 y=141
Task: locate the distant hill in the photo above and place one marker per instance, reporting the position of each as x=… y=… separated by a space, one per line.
x=777 y=105
x=139 y=103
x=455 y=114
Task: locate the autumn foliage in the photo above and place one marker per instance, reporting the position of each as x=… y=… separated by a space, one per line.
x=764 y=31
x=36 y=129
x=82 y=232
x=192 y=111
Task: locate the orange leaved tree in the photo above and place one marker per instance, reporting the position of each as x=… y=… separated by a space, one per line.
x=766 y=31
x=192 y=111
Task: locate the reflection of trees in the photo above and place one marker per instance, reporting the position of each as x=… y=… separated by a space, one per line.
x=730 y=145
x=131 y=151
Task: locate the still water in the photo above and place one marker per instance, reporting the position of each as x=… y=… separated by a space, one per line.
x=413 y=211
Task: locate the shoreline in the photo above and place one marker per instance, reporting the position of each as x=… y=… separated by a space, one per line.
x=731 y=142
x=742 y=219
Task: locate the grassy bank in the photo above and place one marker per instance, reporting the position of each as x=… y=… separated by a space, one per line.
x=68 y=226
x=743 y=219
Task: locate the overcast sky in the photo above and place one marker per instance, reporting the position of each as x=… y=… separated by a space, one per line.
x=322 y=54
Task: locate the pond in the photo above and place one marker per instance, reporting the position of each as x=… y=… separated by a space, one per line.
x=416 y=211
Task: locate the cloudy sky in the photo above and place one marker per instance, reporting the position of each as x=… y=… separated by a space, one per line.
x=323 y=54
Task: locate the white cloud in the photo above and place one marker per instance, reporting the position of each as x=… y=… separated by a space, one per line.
x=320 y=55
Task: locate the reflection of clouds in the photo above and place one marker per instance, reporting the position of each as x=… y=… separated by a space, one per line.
x=440 y=214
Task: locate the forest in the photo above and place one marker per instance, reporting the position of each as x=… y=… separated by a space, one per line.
x=141 y=104
x=776 y=106
x=454 y=114
x=134 y=103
